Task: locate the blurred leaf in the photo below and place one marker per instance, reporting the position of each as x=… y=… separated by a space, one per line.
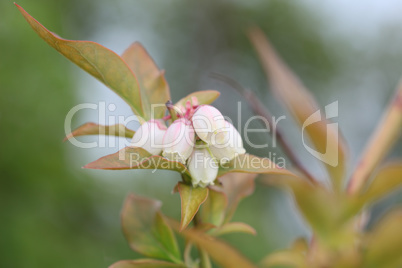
x=233 y=227
x=222 y=253
x=191 y=200
x=384 y=243
x=330 y=148
x=213 y=210
x=203 y=97
x=146 y=229
x=326 y=212
x=146 y=263
x=248 y=163
x=381 y=141
x=154 y=88
x=136 y=158
x=387 y=180
x=118 y=130
x=293 y=257
x=236 y=186
x=100 y=62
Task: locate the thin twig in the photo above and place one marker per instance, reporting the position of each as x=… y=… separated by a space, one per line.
x=259 y=109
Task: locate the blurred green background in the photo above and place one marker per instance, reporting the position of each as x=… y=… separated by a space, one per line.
x=54 y=214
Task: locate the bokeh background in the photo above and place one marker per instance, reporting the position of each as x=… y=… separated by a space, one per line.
x=55 y=214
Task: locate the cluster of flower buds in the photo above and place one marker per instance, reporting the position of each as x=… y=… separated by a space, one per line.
x=199 y=137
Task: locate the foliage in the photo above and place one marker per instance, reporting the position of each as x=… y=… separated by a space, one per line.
x=336 y=214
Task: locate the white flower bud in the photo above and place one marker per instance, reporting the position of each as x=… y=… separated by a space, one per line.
x=229 y=146
x=149 y=136
x=203 y=168
x=207 y=123
x=178 y=141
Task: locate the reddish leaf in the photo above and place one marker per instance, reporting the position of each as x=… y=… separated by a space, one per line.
x=146 y=230
x=191 y=200
x=222 y=253
x=382 y=140
x=136 y=158
x=203 y=97
x=118 y=130
x=100 y=62
x=248 y=163
x=331 y=149
x=236 y=186
x=154 y=88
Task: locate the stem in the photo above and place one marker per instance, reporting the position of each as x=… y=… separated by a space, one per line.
x=259 y=109
x=205 y=262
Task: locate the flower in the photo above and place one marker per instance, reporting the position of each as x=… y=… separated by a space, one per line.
x=207 y=123
x=149 y=136
x=178 y=141
x=230 y=146
x=203 y=167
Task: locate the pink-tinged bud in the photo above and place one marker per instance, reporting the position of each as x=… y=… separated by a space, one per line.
x=149 y=136
x=178 y=141
x=230 y=146
x=207 y=123
x=203 y=168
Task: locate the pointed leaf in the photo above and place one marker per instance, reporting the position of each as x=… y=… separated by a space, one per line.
x=146 y=230
x=213 y=210
x=233 y=227
x=191 y=200
x=203 y=97
x=330 y=148
x=248 y=163
x=154 y=88
x=222 y=253
x=118 y=130
x=136 y=158
x=387 y=180
x=146 y=263
x=325 y=211
x=100 y=62
x=293 y=257
x=236 y=186
x=382 y=140
x=384 y=243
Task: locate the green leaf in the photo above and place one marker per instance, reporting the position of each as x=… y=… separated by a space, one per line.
x=233 y=227
x=146 y=263
x=248 y=163
x=136 y=158
x=293 y=257
x=203 y=97
x=222 y=253
x=236 y=186
x=100 y=62
x=301 y=103
x=384 y=243
x=329 y=214
x=118 y=130
x=191 y=200
x=214 y=208
x=154 y=88
x=388 y=179
x=147 y=231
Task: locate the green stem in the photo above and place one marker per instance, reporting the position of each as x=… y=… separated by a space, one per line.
x=205 y=262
